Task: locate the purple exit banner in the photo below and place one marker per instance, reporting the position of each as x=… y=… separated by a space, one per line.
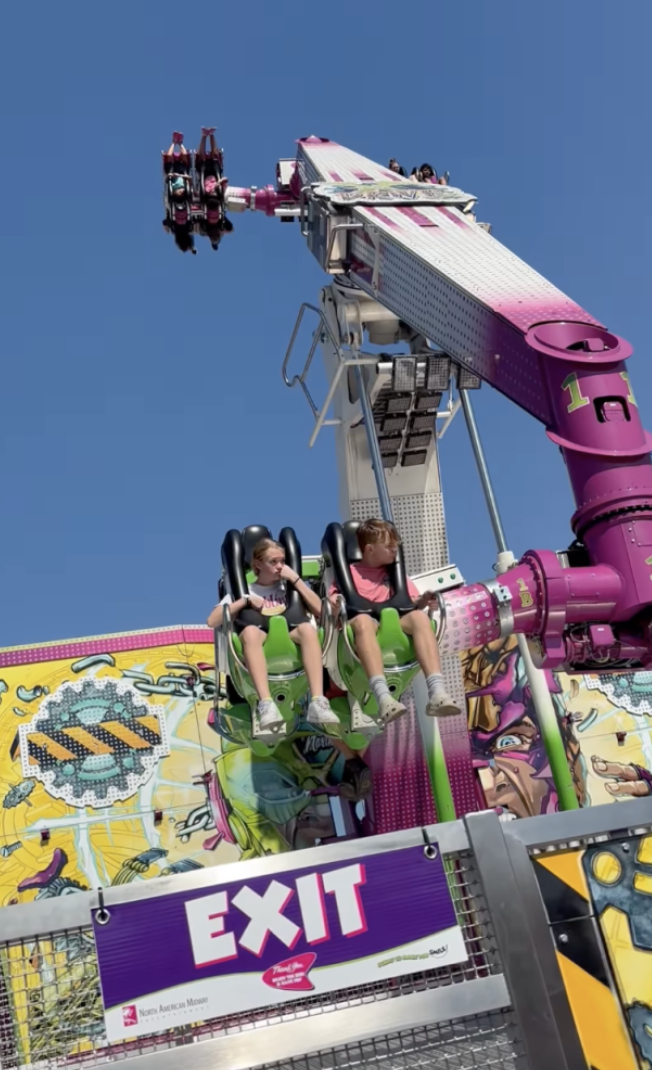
x=188 y=957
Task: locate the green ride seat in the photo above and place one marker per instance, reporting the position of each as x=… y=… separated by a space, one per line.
x=340 y=549
x=287 y=679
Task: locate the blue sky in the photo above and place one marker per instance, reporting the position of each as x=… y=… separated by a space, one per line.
x=142 y=410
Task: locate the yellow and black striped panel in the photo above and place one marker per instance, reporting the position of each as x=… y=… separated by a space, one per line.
x=594 y=1003
x=563 y=886
x=106 y=737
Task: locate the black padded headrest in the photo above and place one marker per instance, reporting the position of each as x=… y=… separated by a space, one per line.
x=250 y=536
x=237 y=549
x=350 y=529
x=336 y=546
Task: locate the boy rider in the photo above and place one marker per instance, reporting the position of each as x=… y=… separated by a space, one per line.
x=379 y=541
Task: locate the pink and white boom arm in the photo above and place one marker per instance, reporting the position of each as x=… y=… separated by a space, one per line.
x=423 y=256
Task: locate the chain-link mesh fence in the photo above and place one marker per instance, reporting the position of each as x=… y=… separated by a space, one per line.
x=51 y=1010
x=484 y=1040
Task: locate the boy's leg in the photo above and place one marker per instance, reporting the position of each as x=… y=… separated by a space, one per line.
x=417 y=625
x=364 y=630
x=306 y=638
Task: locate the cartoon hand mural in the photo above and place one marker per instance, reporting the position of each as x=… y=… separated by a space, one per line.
x=625 y=780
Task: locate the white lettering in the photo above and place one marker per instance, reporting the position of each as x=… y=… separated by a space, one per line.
x=313 y=908
x=344 y=885
x=266 y=913
x=210 y=943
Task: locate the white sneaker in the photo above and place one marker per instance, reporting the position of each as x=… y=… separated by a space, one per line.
x=320 y=712
x=270 y=718
x=389 y=709
x=442 y=706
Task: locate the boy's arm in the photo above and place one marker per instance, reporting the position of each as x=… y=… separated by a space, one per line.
x=421 y=601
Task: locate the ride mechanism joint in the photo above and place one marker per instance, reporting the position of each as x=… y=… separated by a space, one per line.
x=589 y=608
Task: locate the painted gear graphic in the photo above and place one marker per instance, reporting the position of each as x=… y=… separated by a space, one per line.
x=94 y=742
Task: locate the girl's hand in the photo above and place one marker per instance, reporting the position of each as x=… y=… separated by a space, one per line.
x=289 y=574
x=256 y=602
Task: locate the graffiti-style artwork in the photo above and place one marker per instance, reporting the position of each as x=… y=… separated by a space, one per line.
x=507 y=746
x=598 y=905
x=619 y=877
x=120 y=762
x=604 y=722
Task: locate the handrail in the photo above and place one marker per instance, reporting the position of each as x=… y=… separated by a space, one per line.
x=343 y=362
x=301 y=377
x=227 y=628
x=331 y=243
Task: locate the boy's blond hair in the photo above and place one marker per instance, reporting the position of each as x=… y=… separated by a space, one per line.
x=261 y=548
x=371 y=532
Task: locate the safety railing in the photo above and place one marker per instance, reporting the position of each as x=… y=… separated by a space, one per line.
x=503 y=1007
x=347 y=358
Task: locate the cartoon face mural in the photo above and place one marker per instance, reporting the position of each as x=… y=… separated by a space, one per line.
x=604 y=722
x=507 y=746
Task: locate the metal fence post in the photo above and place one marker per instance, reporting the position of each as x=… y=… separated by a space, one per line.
x=523 y=939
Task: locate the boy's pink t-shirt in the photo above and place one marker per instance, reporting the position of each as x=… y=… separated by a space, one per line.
x=373 y=584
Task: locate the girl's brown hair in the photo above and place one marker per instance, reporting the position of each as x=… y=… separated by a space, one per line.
x=261 y=548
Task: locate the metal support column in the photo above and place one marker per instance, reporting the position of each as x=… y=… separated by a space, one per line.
x=522 y=935
x=374 y=449
x=439 y=777
x=541 y=697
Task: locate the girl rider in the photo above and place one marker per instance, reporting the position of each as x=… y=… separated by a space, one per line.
x=266 y=598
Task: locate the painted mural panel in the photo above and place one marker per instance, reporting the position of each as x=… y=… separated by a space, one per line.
x=116 y=764
x=605 y=722
x=619 y=876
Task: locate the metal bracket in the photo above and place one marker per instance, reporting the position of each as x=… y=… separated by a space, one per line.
x=502 y=598
x=334 y=230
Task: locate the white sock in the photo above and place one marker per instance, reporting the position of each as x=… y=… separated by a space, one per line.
x=379 y=687
x=435 y=684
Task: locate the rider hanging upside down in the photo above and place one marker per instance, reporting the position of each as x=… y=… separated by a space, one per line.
x=266 y=598
x=379 y=541
x=178 y=194
x=212 y=185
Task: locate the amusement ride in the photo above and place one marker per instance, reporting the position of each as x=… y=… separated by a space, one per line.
x=411 y=265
